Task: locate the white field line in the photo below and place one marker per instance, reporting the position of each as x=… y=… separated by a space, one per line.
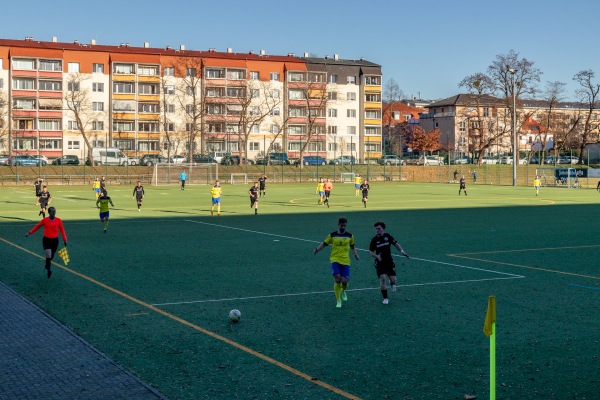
x=506 y=275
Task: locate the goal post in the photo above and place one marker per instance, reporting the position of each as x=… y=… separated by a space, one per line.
x=238 y=178
x=558 y=177
x=347 y=177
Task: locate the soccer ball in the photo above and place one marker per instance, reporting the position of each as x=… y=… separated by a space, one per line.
x=235 y=315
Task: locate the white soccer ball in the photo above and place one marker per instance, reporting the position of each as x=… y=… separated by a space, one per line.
x=235 y=315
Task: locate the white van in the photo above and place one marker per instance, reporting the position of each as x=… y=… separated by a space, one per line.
x=111 y=156
x=218 y=155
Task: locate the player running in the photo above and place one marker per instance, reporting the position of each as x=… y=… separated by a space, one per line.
x=96 y=187
x=341 y=243
x=102 y=204
x=215 y=192
x=52 y=226
x=364 y=188
x=321 y=191
x=44 y=200
x=253 y=192
x=38 y=186
x=138 y=193
x=380 y=249
x=327 y=186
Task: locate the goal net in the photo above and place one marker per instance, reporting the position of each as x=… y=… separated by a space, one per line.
x=239 y=178
x=558 y=177
x=347 y=177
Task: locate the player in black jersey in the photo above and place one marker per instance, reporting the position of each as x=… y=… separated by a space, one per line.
x=253 y=192
x=364 y=188
x=44 y=200
x=38 y=186
x=262 y=182
x=138 y=193
x=381 y=251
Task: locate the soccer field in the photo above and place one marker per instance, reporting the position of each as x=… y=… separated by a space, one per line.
x=154 y=292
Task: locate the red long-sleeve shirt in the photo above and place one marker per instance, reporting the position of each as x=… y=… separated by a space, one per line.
x=51 y=228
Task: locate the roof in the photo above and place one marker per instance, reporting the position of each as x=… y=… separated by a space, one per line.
x=338 y=61
x=466 y=100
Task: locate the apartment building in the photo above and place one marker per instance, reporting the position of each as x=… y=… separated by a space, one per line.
x=63 y=98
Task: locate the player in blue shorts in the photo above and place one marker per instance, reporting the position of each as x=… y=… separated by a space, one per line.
x=102 y=204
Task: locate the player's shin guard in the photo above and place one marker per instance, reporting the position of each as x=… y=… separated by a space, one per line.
x=337 y=289
x=48 y=262
x=384 y=293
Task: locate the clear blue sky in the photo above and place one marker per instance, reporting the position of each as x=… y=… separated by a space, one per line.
x=427 y=47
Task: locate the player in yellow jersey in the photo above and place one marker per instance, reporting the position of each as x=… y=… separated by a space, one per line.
x=96 y=187
x=341 y=243
x=321 y=190
x=537 y=183
x=102 y=204
x=215 y=192
x=357 y=183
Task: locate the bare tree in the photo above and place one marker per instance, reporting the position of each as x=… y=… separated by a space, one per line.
x=552 y=96
x=514 y=78
x=392 y=95
x=79 y=107
x=588 y=95
x=189 y=96
x=5 y=144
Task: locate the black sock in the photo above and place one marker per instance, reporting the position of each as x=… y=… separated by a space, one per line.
x=384 y=293
x=48 y=261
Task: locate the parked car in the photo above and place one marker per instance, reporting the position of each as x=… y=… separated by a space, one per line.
x=66 y=160
x=534 y=160
x=391 y=159
x=155 y=159
x=430 y=160
x=343 y=160
x=568 y=160
x=278 y=159
x=178 y=159
x=4 y=159
x=234 y=159
x=411 y=160
x=203 y=159
x=218 y=155
x=25 y=161
x=462 y=160
x=41 y=157
x=314 y=160
x=489 y=160
x=509 y=160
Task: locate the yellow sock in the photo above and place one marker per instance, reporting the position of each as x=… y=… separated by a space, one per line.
x=337 y=289
x=343 y=287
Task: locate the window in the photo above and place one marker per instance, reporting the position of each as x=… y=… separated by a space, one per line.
x=297 y=112
x=254 y=146
x=373 y=130
x=373 y=80
x=332 y=113
x=274 y=76
x=1 y=80
x=98 y=87
x=254 y=93
x=274 y=128
x=351 y=130
x=331 y=95
x=123 y=105
x=170 y=127
x=275 y=111
x=23 y=84
x=297 y=95
x=274 y=93
x=169 y=71
x=396 y=115
x=74 y=67
x=126 y=69
x=73 y=144
x=215 y=73
x=24 y=144
x=24 y=104
x=98 y=68
x=332 y=146
x=123 y=87
x=351 y=80
x=350 y=146
x=254 y=110
x=25 y=64
x=232 y=128
x=147 y=88
x=23 y=124
x=372 y=147
x=123 y=126
x=462 y=126
x=123 y=144
x=72 y=126
x=333 y=78
x=296 y=76
x=486 y=112
x=351 y=113
x=190 y=72
x=169 y=89
x=254 y=75
x=97 y=125
x=332 y=130
x=148 y=70
x=50 y=104
x=148 y=107
x=236 y=74
x=296 y=129
x=215 y=92
x=148 y=127
x=235 y=92
x=254 y=129
x=49 y=125
x=50 y=65
x=214 y=109
x=50 y=144
x=73 y=86
x=372 y=114
x=351 y=96
x=190 y=108
x=216 y=127
x=234 y=109
x=98 y=106
x=316 y=77
x=170 y=108
x=373 y=97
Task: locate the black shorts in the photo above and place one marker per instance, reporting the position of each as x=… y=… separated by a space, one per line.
x=43 y=204
x=262 y=187
x=327 y=193
x=50 y=243
x=385 y=268
x=253 y=200
x=139 y=199
x=462 y=187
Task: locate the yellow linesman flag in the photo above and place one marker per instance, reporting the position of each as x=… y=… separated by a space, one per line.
x=64 y=254
x=490 y=316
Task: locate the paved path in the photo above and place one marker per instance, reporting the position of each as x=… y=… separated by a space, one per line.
x=42 y=359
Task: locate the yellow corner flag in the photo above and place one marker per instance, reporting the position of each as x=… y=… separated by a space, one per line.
x=64 y=254
x=490 y=316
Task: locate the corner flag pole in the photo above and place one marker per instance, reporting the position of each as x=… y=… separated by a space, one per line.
x=489 y=328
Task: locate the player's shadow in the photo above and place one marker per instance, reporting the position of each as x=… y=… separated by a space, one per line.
x=15 y=218
x=14 y=202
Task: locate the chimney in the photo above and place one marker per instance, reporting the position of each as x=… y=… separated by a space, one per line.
x=54 y=39
x=212 y=50
x=229 y=50
x=305 y=54
x=291 y=55
x=182 y=47
x=76 y=41
x=262 y=52
x=336 y=57
x=93 y=42
x=146 y=45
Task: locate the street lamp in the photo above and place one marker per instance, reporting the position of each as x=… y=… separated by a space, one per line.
x=514 y=127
